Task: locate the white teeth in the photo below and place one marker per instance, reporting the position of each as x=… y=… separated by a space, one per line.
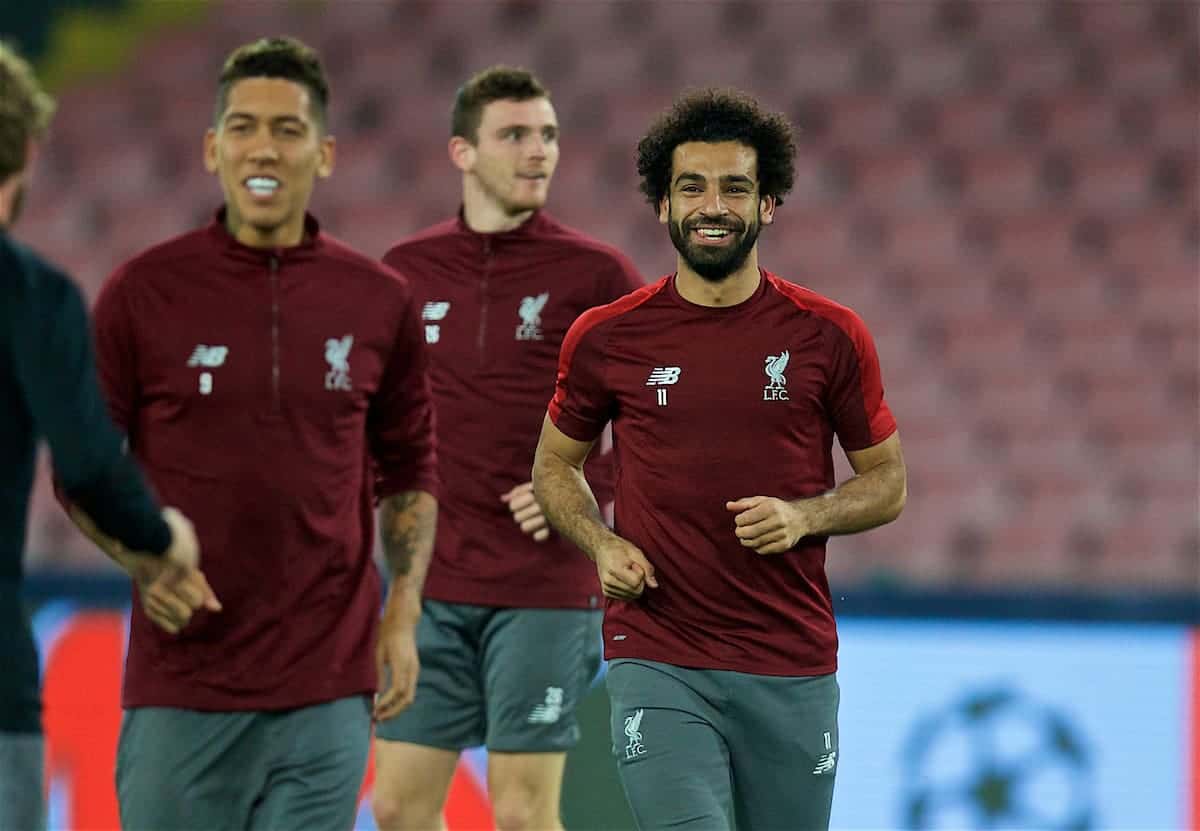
x=713 y=233
x=262 y=185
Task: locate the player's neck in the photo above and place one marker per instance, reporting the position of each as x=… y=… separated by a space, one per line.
x=484 y=215
x=287 y=235
x=736 y=288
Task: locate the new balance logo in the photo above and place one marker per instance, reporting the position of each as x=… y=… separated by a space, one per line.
x=435 y=309
x=826 y=762
x=209 y=356
x=550 y=710
x=662 y=376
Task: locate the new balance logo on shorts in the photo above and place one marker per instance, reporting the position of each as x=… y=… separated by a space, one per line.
x=550 y=710
x=633 y=732
x=827 y=761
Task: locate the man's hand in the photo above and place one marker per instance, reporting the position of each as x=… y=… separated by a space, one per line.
x=768 y=525
x=170 y=594
x=184 y=550
x=396 y=659
x=171 y=587
x=526 y=511
x=624 y=570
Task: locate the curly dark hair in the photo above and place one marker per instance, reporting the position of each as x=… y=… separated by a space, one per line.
x=280 y=57
x=498 y=83
x=712 y=115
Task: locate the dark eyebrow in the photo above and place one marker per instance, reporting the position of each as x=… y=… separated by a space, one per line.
x=526 y=128
x=279 y=119
x=736 y=178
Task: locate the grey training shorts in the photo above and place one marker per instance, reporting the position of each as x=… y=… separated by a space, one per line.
x=701 y=750
x=510 y=679
x=182 y=770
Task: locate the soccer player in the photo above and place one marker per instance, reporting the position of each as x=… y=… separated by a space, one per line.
x=725 y=386
x=48 y=388
x=271 y=381
x=509 y=640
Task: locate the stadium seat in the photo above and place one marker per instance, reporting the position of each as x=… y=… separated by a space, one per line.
x=1005 y=191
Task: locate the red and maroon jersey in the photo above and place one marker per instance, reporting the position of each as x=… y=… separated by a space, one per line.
x=496 y=308
x=710 y=405
x=254 y=386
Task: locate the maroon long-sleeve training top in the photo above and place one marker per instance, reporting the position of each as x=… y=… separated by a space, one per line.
x=256 y=386
x=495 y=309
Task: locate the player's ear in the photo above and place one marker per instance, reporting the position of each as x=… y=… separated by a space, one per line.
x=328 y=153
x=210 y=150
x=664 y=209
x=766 y=209
x=462 y=153
x=32 y=151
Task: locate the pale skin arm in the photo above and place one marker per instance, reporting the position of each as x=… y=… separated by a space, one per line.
x=874 y=496
x=568 y=504
x=407 y=523
x=171 y=587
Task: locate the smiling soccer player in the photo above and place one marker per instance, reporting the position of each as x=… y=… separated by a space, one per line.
x=266 y=376
x=725 y=386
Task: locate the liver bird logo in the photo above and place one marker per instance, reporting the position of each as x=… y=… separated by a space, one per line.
x=531 y=309
x=337 y=352
x=633 y=726
x=775 y=365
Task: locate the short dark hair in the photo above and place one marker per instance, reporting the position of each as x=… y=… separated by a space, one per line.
x=280 y=57
x=713 y=115
x=25 y=110
x=498 y=83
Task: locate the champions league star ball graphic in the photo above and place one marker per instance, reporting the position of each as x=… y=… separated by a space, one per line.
x=993 y=760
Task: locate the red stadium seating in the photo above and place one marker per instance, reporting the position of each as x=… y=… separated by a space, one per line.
x=1005 y=191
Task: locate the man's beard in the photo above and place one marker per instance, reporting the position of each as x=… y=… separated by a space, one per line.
x=507 y=201
x=715 y=263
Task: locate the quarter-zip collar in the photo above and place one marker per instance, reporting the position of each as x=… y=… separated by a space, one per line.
x=311 y=243
x=536 y=226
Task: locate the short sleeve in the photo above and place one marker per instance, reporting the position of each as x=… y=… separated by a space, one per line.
x=860 y=415
x=582 y=403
